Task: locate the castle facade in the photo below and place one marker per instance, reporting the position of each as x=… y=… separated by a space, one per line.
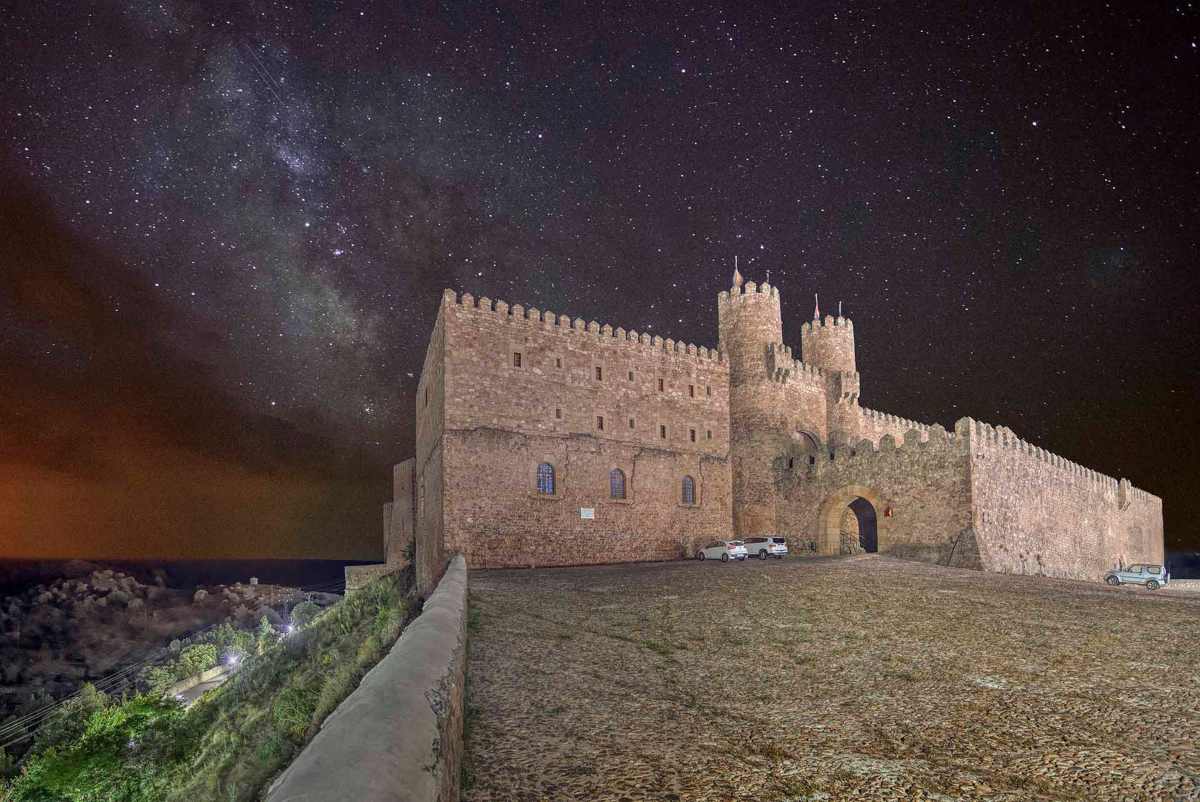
x=543 y=440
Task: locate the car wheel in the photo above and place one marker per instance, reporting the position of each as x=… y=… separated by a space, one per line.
x=1151 y=585
x=700 y=556
x=762 y=554
x=1112 y=580
x=724 y=558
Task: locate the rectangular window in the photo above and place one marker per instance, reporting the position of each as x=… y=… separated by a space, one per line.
x=426 y=396
x=631 y=375
x=691 y=391
x=558 y=362
x=600 y=422
x=708 y=434
x=558 y=412
x=631 y=423
x=660 y=385
x=599 y=373
x=662 y=431
x=516 y=359
x=692 y=435
x=707 y=390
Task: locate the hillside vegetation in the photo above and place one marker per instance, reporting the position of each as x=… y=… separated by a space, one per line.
x=234 y=740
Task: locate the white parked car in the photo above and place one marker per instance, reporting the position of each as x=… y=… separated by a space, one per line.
x=764 y=547
x=723 y=550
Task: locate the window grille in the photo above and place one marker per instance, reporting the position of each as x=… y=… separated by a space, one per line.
x=545 y=479
x=616 y=483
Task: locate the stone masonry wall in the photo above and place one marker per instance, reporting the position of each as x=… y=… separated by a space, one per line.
x=496 y=517
x=525 y=387
x=428 y=527
x=1037 y=513
x=399 y=532
x=923 y=483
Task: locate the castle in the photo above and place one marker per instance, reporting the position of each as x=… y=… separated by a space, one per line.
x=542 y=440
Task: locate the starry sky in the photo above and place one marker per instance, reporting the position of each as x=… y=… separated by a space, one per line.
x=224 y=229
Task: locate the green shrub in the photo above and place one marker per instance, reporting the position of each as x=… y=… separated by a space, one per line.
x=197 y=658
x=304 y=612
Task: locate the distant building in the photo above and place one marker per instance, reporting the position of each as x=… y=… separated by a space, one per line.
x=543 y=440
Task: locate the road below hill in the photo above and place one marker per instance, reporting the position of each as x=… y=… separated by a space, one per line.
x=863 y=677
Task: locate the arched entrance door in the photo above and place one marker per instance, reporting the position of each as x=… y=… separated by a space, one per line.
x=848 y=521
x=868 y=524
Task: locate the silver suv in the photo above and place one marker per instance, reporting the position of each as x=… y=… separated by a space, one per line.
x=763 y=547
x=1152 y=576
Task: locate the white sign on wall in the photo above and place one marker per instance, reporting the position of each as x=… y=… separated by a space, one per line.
x=587 y=513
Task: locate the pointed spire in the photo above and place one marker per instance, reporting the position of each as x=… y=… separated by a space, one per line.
x=737 y=276
x=816 y=307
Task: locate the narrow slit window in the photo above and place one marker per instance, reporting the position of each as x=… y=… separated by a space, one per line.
x=599 y=373
x=631 y=375
x=662 y=431
x=600 y=422
x=558 y=361
x=707 y=389
x=660 y=385
x=691 y=391
x=516 y=359
x=631 y=423
x=558 y=413
x=692 y=435
x=708 y=434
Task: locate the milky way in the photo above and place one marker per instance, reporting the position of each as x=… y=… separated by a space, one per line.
x=273 y=196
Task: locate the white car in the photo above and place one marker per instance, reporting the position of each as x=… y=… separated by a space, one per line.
x=723 y=550
x=764 y=547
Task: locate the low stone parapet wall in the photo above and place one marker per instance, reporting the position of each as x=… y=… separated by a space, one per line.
x=398 y=736
x=1184 y=585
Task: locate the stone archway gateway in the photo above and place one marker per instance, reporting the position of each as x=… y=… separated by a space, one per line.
x=853 y=513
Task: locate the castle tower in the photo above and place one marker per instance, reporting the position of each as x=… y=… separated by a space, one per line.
x=749 y=323
x=828 y=344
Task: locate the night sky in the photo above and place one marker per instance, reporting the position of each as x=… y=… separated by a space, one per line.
x=225 y=227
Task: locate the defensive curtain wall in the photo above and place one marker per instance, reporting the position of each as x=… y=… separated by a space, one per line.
x=521 y=388
x=978 y=497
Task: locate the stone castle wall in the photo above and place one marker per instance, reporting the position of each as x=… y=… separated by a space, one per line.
x=774 y=445
x=523 y=387
x=429 y=514
x=1037 y=513
x=920 y=490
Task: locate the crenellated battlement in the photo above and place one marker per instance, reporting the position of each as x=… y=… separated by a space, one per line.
x=749 y=292
x=519 y=315
x=784 y=367
x=979 y=434
x=924 y=440
x=829 y=321
x=886 y=419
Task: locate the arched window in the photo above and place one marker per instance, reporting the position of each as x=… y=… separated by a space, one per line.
x=689 y=490
x=616 y=483
x=545 y=479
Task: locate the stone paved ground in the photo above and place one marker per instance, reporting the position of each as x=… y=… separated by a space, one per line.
x=845 y=678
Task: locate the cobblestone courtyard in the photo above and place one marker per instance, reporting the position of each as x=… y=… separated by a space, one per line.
x=850 y=678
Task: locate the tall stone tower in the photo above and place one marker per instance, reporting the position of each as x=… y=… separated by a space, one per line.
x=829 y=345
x=749 y=323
